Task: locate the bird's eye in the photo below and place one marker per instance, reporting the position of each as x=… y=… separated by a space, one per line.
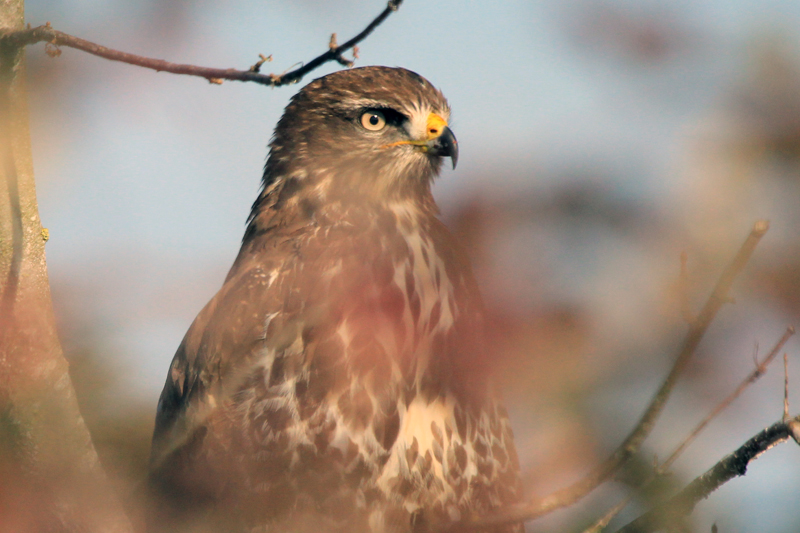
x=373 y=120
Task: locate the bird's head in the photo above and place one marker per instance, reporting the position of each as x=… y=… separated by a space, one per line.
x=373 y=132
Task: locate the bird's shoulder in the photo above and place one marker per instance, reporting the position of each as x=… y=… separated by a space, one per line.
x=295 y=275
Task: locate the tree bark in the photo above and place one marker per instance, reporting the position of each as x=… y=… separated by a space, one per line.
x=52 y=479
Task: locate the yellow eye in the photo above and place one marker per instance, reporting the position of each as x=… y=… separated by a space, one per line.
x=373 y=120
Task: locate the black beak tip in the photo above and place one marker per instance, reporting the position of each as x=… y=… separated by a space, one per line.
x=447 y=146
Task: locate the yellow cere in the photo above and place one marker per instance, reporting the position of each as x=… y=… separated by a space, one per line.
x=436 y=126
x=433 y=129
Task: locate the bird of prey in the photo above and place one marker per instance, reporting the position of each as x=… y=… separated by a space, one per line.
x=338 y=379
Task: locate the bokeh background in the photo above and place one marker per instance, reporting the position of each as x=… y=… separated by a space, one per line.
x=599 y=140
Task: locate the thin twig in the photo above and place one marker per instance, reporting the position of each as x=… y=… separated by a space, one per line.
x=759 y=371
x=336 y=53
x=55 y=38
x=604 y=520
x=761 y=368
x=785 y=387
x=256 y=67
x=733 y=465
x=576 y=491
x=794 y=429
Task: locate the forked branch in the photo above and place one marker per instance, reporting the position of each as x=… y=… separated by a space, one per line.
x=334 y=53
x=629 y=447
x=752 y=377
x=735 y=464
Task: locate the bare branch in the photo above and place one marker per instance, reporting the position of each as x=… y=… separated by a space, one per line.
x=760 y=370
x=733 y=465
x=55 y=38
x=785 y=387
x=261 y=60
x=604 y=520
x=569 y=495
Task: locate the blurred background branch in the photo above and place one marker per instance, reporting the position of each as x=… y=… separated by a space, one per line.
x=46 y=453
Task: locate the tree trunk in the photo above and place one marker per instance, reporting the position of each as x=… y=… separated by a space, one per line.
x=50 y=475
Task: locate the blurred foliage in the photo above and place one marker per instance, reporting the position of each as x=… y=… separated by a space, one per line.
x=121 y=430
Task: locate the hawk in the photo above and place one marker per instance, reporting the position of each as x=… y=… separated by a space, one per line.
x=338 y=379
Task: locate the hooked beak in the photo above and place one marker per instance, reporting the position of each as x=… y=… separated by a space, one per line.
x=438 y=140
x=445 y=145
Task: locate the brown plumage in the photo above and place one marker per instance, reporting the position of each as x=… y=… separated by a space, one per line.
x=338 y=379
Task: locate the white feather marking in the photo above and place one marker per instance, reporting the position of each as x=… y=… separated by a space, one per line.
x=333 y=271
x=417 y=125
x=417 y=425
x=424 y=273
x=269 y=316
